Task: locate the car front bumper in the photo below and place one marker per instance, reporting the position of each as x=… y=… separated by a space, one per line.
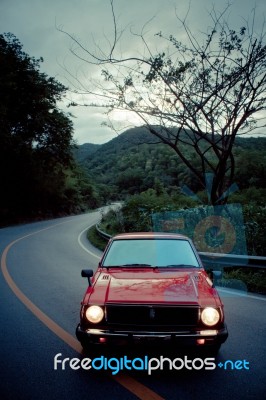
x=200 y=337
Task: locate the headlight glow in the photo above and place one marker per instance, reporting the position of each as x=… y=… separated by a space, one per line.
x=94 y=314
x=210 y=316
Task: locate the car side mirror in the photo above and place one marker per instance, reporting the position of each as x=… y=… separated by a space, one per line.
x=217 y=274
x=214 y=275
x=87 y=273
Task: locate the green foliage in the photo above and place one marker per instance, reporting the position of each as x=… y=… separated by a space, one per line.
x=37 y=171
x=84 y=151
x=95 y=239
x=135 y=214
x=251 y=166
x=250 y=279
x=250 y=196
x=254 y=213
x=133 y=163
x=255 y=222
x=112 y=222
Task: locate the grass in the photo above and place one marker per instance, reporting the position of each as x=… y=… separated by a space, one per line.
x=95 y=239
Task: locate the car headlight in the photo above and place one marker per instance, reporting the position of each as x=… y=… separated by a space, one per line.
x=210 y=316
x=94 y=314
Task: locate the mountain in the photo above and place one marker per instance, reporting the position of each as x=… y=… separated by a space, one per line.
x=82 y=152
x=131 y=161
x=134 y=161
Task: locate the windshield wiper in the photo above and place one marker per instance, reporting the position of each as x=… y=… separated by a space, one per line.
x=136 y=265
x=140 y=265
x=180 y=266
x=127 y=265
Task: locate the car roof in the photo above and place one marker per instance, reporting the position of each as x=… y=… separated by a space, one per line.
x=149 y=235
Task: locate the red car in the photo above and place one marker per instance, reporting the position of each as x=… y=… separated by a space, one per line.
x=151 y=287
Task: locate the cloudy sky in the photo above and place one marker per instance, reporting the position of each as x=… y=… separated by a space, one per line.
x=35 y=22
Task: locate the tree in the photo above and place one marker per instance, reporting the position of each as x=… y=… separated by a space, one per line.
x=251 y=168
x=35 y=137
x=200 y=93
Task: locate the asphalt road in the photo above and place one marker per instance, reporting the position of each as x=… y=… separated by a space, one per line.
x=40 y=294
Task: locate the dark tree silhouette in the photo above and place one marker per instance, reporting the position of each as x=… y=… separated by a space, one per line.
x=201 y=92
x=36 y=162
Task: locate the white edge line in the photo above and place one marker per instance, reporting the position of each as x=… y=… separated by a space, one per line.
x=241 y=294
x=82 y=245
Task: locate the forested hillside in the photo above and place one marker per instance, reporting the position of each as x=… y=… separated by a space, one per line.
x=132 y=163
x=83 y=151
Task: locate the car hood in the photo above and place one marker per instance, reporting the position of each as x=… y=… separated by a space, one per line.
x=187 y=286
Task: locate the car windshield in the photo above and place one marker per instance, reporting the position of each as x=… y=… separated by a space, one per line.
x=167 y=253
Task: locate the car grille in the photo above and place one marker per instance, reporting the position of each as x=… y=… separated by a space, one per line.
x=152 y=315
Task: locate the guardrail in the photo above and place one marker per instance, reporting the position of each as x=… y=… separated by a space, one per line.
x=218 y=259
x=232 y=260
x=102 y=233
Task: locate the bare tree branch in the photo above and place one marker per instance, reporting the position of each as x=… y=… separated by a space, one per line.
x=201 y=93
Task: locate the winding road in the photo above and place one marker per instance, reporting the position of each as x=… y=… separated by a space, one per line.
x=40 y=293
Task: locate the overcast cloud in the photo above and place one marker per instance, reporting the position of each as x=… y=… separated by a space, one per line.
x=34 y=24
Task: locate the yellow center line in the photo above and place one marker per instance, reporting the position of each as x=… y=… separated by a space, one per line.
x=132 y=385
